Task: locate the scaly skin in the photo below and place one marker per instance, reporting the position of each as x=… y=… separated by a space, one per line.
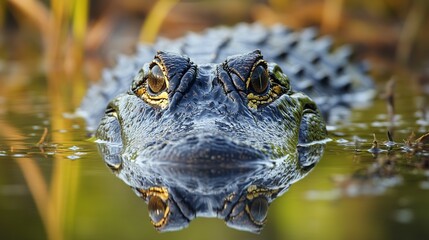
x=208 y=112
x=327 y=76
x=213 y=101
x=206 y=119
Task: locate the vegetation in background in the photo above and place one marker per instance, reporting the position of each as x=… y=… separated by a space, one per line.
x=69 y=29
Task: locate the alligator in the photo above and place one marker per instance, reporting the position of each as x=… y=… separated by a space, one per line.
x=219 y=124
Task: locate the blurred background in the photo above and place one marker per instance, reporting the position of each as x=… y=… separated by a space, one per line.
x=53 y=184
x=66 y=35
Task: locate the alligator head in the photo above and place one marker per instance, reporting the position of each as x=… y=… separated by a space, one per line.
x=202 y=130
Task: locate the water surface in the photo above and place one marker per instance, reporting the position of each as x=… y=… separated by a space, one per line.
x=56 y=186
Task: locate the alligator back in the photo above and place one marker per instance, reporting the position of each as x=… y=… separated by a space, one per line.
x=326 y=75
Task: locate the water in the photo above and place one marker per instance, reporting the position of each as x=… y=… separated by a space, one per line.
x=61 y=188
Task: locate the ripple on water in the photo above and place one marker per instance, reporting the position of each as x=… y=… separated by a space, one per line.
x=73 y=157
x=74 y=148
x=36 y=127
x=342 y=141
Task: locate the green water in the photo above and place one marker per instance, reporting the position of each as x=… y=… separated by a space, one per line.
x=61 y=189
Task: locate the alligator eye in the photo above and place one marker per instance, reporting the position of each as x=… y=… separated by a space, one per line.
x=156 y=79
x=259 y=79
x=259 y=209
x=157 y=210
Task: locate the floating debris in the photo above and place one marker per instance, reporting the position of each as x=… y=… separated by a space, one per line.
x=390 y=99
x=390 y=143
x=423 y=140
x=385 y=171
x=375 y=149
x=408 y=145
x=418 y=147
x=42 y=139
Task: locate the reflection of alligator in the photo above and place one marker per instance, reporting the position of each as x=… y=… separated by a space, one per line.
x=220 y=111
x=239 y=193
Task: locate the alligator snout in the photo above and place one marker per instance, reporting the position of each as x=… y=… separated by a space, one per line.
x=208 y=151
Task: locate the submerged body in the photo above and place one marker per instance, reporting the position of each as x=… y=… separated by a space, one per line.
x=228 y=100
